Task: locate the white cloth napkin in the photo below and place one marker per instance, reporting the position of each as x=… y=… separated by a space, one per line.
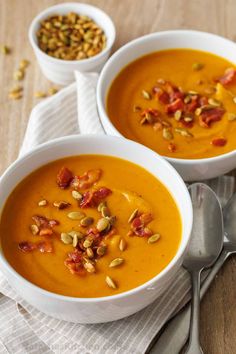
x=24 y=329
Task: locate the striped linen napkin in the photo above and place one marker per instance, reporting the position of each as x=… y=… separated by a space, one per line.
x=23 y=329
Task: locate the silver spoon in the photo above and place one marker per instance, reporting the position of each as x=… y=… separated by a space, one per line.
x=204 y=248
x=176 y=333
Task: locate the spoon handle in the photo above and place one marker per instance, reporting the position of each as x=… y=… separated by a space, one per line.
x=175 y=335
x=194 y=341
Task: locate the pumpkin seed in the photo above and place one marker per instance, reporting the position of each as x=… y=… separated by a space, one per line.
x=89 y=252
x=16 y=89
x=52 y=91
x=154 y=238
x=197 y=66
x=42 y=203
x=24 y=63
x=18 y=75
x=207 y=107
x=76 y=195
x=122 y=245
x=234 y=99
x=133 y=215
x=5 y=50
x=101 y=250
x=146 y=95
x=75 y=240
x=89 y=267
x=105 y=211
x=88 y=220
x=76 y=215
x=192 y=93
x=183 y=132
x=167 y=134
x=188 y=119
x=78 y=234
x=187 y=99
x=198 y=111
x=149 y=118
x=66 y=238
x=143 y=120
x=15 y=95
x=34 y=229
x=61 y=205
x=102 y=224
x=101 y=205
x=110 y=282
x=40 y=94
x=214 y=102
x=111 y=219
x=87 y=243
x=231 y=116
x=116 y=262
x=178 y=115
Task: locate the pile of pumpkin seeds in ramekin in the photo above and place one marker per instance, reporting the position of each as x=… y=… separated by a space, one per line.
x=70 y=37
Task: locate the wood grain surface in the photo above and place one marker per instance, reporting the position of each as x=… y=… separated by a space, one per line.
x=132 y=18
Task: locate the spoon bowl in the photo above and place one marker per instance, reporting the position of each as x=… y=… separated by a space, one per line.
x=207 y=232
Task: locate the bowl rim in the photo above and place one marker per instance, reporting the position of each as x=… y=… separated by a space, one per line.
x=170 y=170
x=36 y=20
x=105 y=120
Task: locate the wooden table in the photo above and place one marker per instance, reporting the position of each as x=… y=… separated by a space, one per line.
x=132 y=18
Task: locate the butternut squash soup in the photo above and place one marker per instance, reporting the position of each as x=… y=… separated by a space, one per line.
x=90 y=226
x=181 y=103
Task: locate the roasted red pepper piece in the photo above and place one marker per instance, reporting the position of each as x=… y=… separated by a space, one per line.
x=93 y=198
x=172 y=147
x=203 y=101
x=176 y=105
x=64 y=177
x=46 y=231
x=75 y=256
x=45 y=247
x=228 y=76
x=210 y=116
x=161 y=95
x=87 y=180
x=26 y=246
x=138 y=225
x=74 y=262
x=173 y=91
x=192 y=105
x=42 y=246
x=44 y=224
x=219 y=141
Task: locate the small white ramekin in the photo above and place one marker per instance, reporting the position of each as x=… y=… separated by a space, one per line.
x=109 y=308
x=189 y=169
x=62 y=71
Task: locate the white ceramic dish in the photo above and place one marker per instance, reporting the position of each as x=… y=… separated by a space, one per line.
x=62 y=71
x=110 y=308
x=190 y=170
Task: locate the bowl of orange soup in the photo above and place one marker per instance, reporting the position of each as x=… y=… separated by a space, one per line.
x=92 y=228
x=175 y=92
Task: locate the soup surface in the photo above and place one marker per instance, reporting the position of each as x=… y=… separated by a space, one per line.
x=180 y=103
x=90 y=226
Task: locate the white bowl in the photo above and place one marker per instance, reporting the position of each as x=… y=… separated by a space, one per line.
x=109 y=308
x=62 y=71
x=190 y=170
